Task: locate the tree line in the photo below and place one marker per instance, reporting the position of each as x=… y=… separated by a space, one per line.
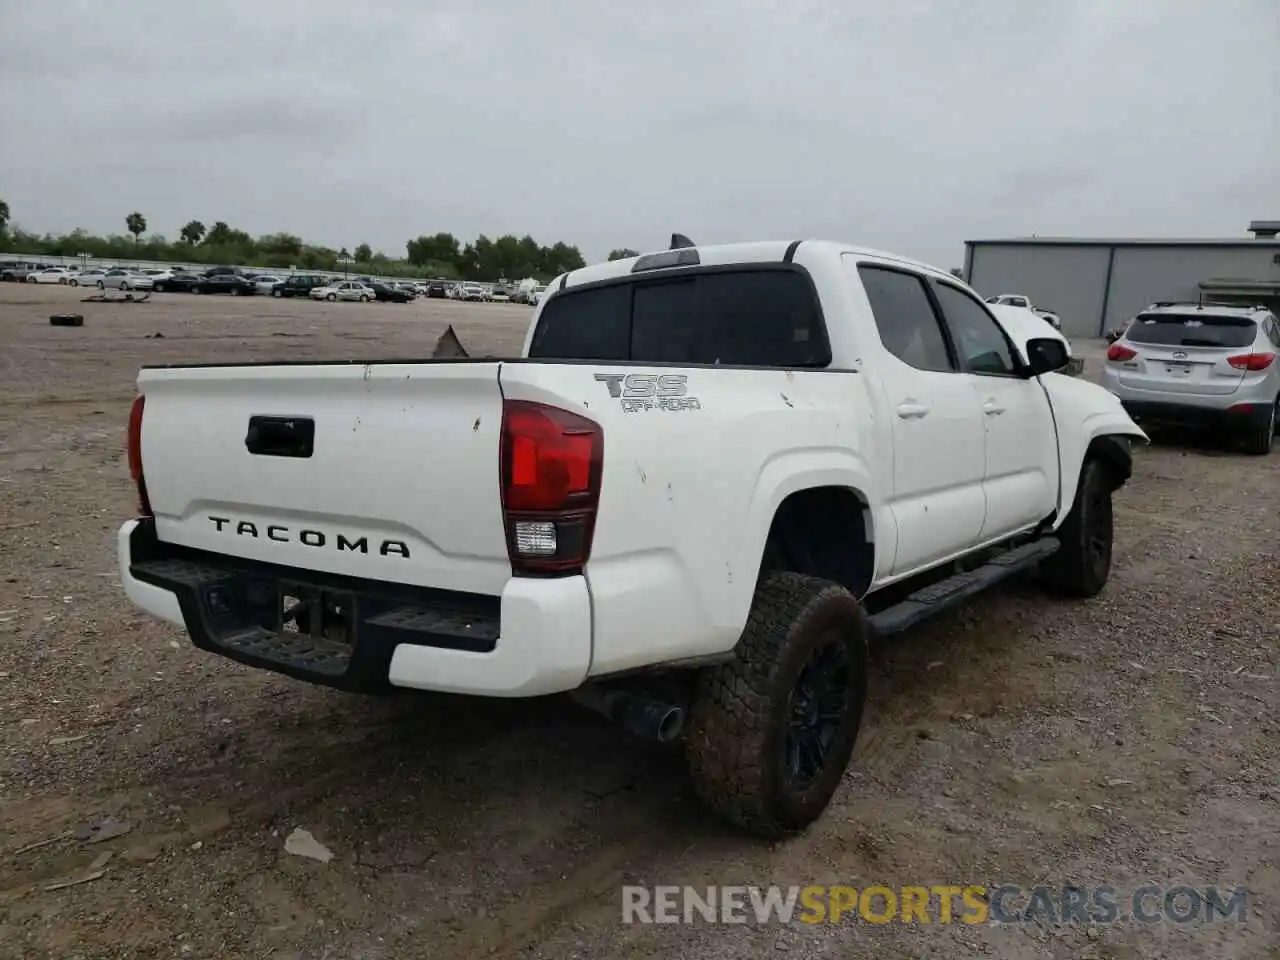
x=438 y=255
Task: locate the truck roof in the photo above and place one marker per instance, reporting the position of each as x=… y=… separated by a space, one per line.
x=760 y=251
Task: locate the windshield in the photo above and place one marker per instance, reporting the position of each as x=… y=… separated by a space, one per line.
x=1192 y=330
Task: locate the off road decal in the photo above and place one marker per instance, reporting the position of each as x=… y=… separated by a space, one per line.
x=650 y=391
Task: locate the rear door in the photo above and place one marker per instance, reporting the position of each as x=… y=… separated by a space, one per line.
x=1187 y=353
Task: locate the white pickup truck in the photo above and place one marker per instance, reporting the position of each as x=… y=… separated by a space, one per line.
x=1019 y=300
x=710 y=478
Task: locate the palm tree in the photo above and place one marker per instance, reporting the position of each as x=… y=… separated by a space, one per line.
x=193 y=232
x=137 y=225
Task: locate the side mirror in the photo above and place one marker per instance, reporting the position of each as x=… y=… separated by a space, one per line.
x=1045 y=355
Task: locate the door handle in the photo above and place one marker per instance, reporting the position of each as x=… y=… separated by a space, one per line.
x=992 y=409
x=910 y=410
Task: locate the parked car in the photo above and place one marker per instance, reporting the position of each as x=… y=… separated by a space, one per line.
x=49 y=275
x=265 y=283
x=436 y=290
x=86 y=278
x=389 y=293
x=158 y=276
x=234 y=284
x=122 y=278
x=500 y=294
x=1019 y=300
x=17 y=272
x=345 y=290
x=471 y=292
x=1197 y=364
x=298 y=285
x=179 y=282
x=917 y=454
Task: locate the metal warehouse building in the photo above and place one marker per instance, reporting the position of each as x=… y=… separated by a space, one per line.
x=1096 y=285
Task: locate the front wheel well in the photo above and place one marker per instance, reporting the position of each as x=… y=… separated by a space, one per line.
x=823 y=532
x=1113 y=452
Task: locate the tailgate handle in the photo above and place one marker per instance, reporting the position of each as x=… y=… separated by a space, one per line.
x=281 y=437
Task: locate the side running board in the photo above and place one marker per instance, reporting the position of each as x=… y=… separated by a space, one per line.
x=953 y=591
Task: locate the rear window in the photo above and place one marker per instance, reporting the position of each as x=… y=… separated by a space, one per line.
x=733 y=317
x=1192 y=330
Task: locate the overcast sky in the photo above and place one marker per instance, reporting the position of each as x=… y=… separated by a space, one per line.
x=888 y=124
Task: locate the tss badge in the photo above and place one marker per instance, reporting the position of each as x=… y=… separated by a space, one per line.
x=650 y=391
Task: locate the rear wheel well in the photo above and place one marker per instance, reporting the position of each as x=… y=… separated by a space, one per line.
x=823 y=532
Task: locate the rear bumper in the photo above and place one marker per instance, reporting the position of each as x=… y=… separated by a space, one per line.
x=533 y=640
x=1240 y=415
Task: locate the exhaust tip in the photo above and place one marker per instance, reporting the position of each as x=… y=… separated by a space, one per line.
x=670 y=725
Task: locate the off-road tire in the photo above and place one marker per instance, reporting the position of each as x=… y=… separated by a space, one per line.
x=67 y=320
x=1261 y=437
x=1082 y=564
x=741 y=711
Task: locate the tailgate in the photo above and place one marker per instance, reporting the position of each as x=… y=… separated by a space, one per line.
x=399 y=481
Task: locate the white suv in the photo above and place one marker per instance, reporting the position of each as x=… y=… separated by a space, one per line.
x=1201 y=364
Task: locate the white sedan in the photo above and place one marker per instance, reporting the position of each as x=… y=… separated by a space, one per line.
x=86 y=278
x=120 y=279
x=346 y=290
x=266 y=282
x=49 y=275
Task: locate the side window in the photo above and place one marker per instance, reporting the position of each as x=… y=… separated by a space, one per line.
x=981 y=343
x=905 y=319
x=1275 y=331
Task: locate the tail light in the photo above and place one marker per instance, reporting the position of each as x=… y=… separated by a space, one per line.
x=1120 y=353
x=551 y=465
x=1252 y=362
x=134 y=447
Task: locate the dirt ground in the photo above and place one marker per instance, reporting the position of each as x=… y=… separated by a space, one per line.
x=1128 y=740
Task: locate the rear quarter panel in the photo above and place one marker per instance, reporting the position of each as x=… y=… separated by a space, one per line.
x=690 y=489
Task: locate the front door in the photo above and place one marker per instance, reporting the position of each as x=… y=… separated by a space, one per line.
x=1021 y=476
x=939 y=459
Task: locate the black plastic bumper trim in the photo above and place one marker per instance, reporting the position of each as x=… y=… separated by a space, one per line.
x=1184 y=414
x=233 y=607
